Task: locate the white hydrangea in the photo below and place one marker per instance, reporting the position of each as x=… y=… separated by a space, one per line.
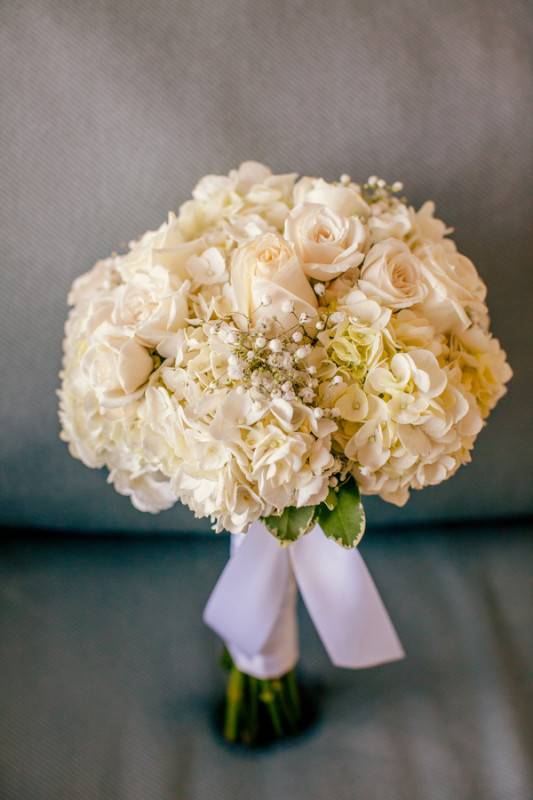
x=274 y=337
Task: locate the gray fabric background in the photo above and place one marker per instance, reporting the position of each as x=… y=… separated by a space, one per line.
x=110 y=112
x=109 y=680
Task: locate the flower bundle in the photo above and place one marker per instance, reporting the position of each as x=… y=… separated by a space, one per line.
x=277 y=349
x=274 y=339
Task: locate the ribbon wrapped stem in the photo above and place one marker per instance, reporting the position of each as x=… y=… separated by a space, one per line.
x=253 y=609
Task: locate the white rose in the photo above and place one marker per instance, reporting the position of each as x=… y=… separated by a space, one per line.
x=116 y=365
x=389 y=221
x=249 y=173
x=135 y=300
x=160 y=330
x=456 y=293
x=174 y=258
x=345 y=200
x=326 y=243
x=245 y=227
x=152 y=307
x=265 y=276
x=212 y=186
x=271 y=199
x=425 y=226
x=215 y=199
x=141 y=253
x=391 y=274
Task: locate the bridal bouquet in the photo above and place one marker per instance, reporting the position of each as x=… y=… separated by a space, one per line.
x=267 y=356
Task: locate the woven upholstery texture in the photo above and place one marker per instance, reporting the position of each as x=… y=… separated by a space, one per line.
x=109 y=678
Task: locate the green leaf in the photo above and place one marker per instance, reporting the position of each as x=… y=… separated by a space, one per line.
x=331 y=499
x=345 y=523
x=292 y=523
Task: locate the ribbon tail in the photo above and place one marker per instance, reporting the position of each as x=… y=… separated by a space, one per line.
x=253 y=603
x=343 y=602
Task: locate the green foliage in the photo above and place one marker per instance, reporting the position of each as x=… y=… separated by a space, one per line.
x=331 y=500
x=341 y=516
x=292 y=523
x=345 y=522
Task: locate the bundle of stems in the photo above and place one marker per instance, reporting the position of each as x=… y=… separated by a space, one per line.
x=257 y=710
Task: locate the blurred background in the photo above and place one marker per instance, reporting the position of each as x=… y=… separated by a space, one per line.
x=110 y=113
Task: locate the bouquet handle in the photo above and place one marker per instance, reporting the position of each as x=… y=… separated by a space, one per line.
x=279 y=654
x=253 y=610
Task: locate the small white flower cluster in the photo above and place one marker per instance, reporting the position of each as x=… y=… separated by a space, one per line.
x=277 y=365
x=273 y=338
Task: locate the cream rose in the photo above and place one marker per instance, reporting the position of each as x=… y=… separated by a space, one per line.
x=345 y=200
x=391 y=274
x=272 y=199
x=141 y=255
x=389 y=220
x=153 y=304
x=248 y=226
x=136 y=300
x=326 y=243
x=116 y=365
x=268 y=282
x=425 y=226
x=249 y=174
x=455 y=292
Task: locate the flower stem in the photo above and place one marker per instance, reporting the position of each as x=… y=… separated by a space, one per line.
x=253 y=686
x=293 y=692
x=234 y=694
x=268 y=696
x=259 y=710
x=287 y=708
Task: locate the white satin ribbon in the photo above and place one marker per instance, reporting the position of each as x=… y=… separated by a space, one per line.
x=253 y=605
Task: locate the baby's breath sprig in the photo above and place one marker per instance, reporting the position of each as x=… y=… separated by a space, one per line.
x=273 y=362
x=376 y=189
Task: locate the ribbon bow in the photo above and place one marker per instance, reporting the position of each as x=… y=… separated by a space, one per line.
x=252 y=606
